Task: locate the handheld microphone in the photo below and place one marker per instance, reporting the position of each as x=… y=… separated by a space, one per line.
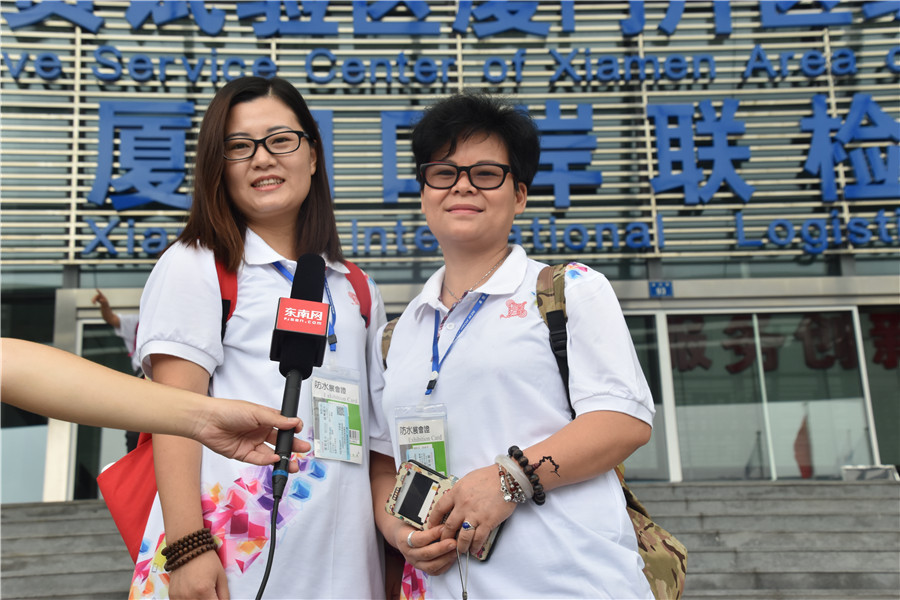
x=298 y=344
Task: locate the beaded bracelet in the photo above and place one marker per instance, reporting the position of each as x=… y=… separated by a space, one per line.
x=188 y=548
x=191 y=539
x=182 y=560
x=515 y=471
x=539 y=496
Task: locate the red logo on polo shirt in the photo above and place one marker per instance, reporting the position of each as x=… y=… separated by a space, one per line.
x=514 y=310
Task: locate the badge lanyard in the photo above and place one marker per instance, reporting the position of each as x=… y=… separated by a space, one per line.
x=332 y=311
x=437 y=363
x=422 y=430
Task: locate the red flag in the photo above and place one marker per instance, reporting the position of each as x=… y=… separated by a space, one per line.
x=803 y=450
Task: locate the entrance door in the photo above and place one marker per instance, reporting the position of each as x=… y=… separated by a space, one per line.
x=768 y=395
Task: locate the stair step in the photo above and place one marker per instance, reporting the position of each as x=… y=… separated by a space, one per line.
x=54 y=511
x=798 y=506
x=764 y=522
x=95 y=584
x=782 y=540
x=25 y=565
x=792 y=561
x=37 y=528
x=848 y=583
x=769 y=594
x=771 y=491
x=50 y=545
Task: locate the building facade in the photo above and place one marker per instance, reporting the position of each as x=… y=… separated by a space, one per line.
x=732 y=167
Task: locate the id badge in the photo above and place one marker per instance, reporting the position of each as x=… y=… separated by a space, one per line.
x=422 y=435
x=337 y=420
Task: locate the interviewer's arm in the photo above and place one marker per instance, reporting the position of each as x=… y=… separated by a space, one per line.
x=60 y=385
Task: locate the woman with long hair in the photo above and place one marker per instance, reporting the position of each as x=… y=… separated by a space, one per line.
x=261 y=201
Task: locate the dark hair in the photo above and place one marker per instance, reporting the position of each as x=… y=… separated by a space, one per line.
x=214 y=221
x=457 y=118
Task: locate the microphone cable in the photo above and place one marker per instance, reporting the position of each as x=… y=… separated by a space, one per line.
x=265 y=579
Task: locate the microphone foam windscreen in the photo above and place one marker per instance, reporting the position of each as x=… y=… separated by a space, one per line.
x=309 y=279
x=299 y=351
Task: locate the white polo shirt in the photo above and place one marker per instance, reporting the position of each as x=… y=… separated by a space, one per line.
x=501 y=386
x=326 y=542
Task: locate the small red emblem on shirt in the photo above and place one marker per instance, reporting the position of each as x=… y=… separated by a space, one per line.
x=515 y=310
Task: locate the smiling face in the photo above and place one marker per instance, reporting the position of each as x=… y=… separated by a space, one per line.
x=268 y=189
x=465 y=217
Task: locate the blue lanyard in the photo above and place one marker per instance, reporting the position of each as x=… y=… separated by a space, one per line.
x=332 y=338
x=437 y=364
x=332 y=313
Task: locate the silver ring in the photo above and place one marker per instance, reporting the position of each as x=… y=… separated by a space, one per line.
x=409 y=539
x=467 y=526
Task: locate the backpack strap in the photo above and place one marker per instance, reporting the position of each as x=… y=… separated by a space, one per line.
x=228 y=291
x=360 y=283
x=551 y=301
x=386 y=336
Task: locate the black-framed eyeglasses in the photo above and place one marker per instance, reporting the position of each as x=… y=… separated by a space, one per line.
x=280 y=142
x=443 y=176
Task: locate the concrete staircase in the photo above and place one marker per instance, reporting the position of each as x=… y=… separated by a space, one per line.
x=797 y=541
x=62 y=550
x=746 y=541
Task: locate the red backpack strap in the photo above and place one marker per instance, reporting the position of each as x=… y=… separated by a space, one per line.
x=228 y=290
x=360 y=283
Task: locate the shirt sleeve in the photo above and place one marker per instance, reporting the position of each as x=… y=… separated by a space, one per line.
x=379 y=429
x=379 y=435
x=604 y=370
x=377 y=318
x=181 y=309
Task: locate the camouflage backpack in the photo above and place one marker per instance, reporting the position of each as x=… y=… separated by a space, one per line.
x=665 y=558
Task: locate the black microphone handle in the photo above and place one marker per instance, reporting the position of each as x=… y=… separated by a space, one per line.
x=285 y=441
x=289 y=404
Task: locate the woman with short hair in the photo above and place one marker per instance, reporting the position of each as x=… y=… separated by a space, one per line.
x=472 y=389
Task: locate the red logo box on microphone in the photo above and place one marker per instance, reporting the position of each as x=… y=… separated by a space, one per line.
x=302 y=316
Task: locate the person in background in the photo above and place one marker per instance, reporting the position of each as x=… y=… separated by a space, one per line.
x=125 y=326
x=261 y=200
x=84 y=392
x=470 y=357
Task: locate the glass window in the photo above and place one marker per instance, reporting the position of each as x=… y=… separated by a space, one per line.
x=721 y=426
x=800 y=414
x=815 y=397
x=881 y=340
x=649 y=462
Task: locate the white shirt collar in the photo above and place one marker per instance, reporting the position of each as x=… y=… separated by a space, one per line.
x=505 y=280
x=258 y=252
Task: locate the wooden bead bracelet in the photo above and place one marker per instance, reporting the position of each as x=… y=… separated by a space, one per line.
x=517 y=455
x=189 y=547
